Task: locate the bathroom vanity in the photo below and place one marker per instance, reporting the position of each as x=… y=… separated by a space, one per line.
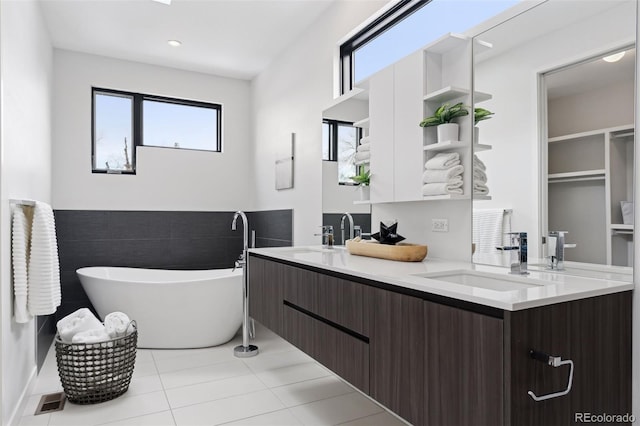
x=448 y=343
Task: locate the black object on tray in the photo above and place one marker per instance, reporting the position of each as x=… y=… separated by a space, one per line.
x=388 y=234
x=96 y=372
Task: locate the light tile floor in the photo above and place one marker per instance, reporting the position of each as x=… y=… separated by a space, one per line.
x=281 y=386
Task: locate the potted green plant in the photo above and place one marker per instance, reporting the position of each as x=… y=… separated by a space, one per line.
x=479 y=114
x=362 y=179
x=442 y=117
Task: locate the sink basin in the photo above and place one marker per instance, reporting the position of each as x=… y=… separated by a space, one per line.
x=485 y=280
x=301 y=250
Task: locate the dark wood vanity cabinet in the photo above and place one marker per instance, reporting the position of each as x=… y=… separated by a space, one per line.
x=439 y=361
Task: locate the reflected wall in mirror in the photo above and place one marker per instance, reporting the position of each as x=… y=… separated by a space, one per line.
x=561 y=136
x=339 y=194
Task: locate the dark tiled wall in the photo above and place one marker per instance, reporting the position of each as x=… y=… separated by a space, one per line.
x=152 y=239
x=362 y=219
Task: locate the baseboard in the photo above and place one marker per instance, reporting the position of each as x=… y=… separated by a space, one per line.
x=14 y=419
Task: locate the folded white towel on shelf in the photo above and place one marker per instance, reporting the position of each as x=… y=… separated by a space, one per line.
x=480 y=188
x=444 y=160
x=361 y=156
x=77 y=322
x=20 y=235
x=443 y=175
x=364 y=147
x=117 y=324
x=442 y=188
x=478 y=164
x=95 y=335
x=479 y=176
x=44 y=266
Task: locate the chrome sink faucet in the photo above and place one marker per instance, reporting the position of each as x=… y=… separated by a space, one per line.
x=351 y=230
x=519 y=253
x=327 y=236
x=556 y=243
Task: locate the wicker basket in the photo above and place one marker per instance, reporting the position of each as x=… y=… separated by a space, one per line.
x=96 y=372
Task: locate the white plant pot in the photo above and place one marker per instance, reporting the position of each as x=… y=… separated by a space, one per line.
x=448 y=132
x=476 y=135
x=364 y=192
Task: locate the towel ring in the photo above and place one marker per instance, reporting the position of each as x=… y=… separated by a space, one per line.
x=554 y=361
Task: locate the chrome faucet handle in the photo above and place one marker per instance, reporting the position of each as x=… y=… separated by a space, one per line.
x=556 y=244
x=519 y=247
x=327 y=236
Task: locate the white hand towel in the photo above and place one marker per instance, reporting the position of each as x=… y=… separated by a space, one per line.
x=444 y=175
x=442 y=188
x=117 y=324
x=77 y=322
x=479 y=176
x=95 y=335
x=480 y=188
x=364 y=147
x=44 y=267
x=478 y=164
x=21 y=230
x=361 y=156
x=444 y=160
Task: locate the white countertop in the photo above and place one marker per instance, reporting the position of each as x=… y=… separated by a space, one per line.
x=540 y=287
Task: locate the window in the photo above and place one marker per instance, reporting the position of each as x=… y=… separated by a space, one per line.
x=407 y=27
x=339 y=142
x=122 y=121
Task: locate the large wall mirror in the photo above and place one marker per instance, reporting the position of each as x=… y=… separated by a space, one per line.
x=561 y=79
x=340 y=195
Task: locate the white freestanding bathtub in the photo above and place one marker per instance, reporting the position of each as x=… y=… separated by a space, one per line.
x=173 y=309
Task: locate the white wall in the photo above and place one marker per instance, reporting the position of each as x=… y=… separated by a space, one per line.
x=511 y=77
x=25 y=171
x=289 y=97
x=166 y=179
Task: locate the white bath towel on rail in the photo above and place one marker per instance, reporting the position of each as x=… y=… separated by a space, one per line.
x=488 y=229
x=20 y=235
x=44 y=266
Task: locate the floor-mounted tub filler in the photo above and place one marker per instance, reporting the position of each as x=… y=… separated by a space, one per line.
x=173 y=309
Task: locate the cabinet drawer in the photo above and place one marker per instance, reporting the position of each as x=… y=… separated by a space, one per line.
x=345 y=355
x=337 y=300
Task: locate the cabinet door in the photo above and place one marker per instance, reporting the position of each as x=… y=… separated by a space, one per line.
x=265 y=292
x=463 y=367
x=381 y=134
x=408 y=135
x=397 y=354
x=595 y=333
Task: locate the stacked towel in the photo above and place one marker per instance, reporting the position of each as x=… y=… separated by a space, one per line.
x=479 y=177
x=443 y=175
x=20 y=236
x=44 y=269
x=363 y=151
x=77 y=322
x=82 y=326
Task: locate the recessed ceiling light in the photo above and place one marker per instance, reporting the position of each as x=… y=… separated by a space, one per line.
x=174 y=43
x=167 y=2
x=614 y=58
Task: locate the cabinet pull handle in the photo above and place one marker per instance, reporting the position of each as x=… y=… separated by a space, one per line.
x=554 y=361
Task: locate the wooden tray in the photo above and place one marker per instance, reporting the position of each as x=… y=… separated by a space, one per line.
x=402 y=252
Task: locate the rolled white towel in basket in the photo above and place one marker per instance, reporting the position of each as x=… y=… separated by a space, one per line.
x=117 y=324
x=77 y=322
x=95 y=335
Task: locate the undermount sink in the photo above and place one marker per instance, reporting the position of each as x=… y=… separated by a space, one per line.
x=485 y=280
x=300 y=250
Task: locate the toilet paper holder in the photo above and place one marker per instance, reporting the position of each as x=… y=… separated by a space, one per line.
x=553 y=361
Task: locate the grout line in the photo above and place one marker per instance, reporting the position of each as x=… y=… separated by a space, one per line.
x=217 y=399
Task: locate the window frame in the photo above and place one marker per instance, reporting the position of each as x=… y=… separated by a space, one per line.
x=399 y=11
x=333 y=142
x=137 y=124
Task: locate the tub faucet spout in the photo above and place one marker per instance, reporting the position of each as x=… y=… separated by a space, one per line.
x=245 y=350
